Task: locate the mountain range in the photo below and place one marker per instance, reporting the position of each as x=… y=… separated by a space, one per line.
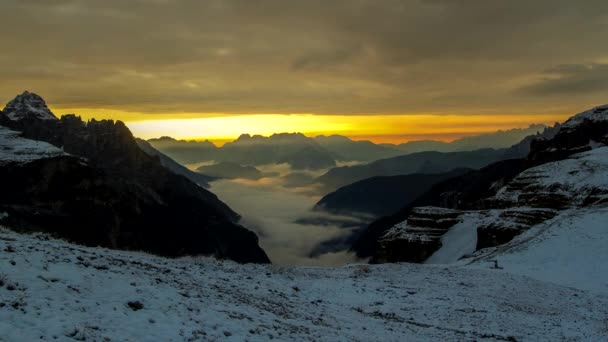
x=322 y=152
x=92 y=183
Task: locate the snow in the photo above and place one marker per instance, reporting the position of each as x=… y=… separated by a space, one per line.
x=28 y=104
x=460 y=240
x=52 y=290
x=599 y=113
x=570 y=249
x=578 y=176
x=14 y=148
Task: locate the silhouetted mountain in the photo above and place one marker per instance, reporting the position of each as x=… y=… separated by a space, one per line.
x=186 y=152
x=523 y=147
x=345 y=149
x=294 y=149
x=422 y=162
x=175 y=167
x=106 y=191
x=231 y=171
x=380 y=196
x=497 y=140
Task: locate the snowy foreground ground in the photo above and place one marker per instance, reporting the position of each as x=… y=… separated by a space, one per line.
x=51 y=290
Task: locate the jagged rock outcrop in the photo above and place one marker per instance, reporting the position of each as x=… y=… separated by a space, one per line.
x=580 y=133
x=416 y=239
x=107 y=191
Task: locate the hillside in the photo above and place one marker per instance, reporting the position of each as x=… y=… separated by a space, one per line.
x=381 y=196
x=422 y=162
x=51 y=290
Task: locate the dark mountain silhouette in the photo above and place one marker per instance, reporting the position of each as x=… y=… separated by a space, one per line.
x=380 y=196
x=346 y=149
x=107 y=191
x=175 y=167
x=186 y=152
x=294 y=149
x=422 y=162
x=497 y=140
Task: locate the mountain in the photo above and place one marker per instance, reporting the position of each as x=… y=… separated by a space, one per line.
x=104 y=190
x=231 y=171
x=381 y=196
x=421 y=162
x=345 y=149
x=175 y=167
x=294 y=149
x=567 y=173
x=186 y=152
x=497 y=140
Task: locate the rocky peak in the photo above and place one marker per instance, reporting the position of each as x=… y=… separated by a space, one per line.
x=28 y=106
x=582 y=132
x=599 y=113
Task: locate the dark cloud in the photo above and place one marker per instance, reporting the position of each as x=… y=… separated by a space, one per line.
x=278 y=56
x=572 y=79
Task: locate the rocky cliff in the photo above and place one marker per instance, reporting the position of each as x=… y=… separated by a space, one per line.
x=105 y=190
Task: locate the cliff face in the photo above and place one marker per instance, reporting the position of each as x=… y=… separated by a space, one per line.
x=107 y=191
x=566 y=172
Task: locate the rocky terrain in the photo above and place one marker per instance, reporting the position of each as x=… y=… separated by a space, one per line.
x=555 y=177
x=90 y=183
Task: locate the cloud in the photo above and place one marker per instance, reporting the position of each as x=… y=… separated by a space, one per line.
x=571 y=79
x=277 y=56
x=270 y=211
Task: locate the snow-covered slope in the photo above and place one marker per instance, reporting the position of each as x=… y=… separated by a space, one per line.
x=571 y=249
x=599 y=113
x=51 y=290
x=582 y=179
x=26 y=106
x=14 y=148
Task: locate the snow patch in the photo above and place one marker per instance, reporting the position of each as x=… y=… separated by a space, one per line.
x=569 y=249
x=596 y=114
x=14 y=148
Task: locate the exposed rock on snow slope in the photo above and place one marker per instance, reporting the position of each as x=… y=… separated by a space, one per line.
x=13 y=148
x=580 y=180
x=51 y=290
x=28 y=106
x=532 y=197
x=570 y=249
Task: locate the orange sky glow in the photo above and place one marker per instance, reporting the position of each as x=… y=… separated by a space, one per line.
x=220 y=128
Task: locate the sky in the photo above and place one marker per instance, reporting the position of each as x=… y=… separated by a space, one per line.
x=386 y=70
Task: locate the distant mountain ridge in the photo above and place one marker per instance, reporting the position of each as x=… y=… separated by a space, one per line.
x=322 y=152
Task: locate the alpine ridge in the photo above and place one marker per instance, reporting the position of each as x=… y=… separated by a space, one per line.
x=104 y=190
